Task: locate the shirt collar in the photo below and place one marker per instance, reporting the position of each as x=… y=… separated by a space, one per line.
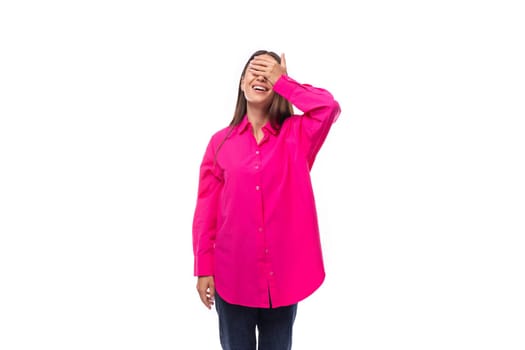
x=244 y=124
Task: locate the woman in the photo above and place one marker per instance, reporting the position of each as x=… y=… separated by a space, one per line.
x=255 y=232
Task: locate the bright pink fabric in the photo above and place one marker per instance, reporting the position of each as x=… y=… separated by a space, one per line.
x=255 y=225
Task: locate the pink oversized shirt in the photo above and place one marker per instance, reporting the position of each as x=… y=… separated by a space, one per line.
x=255 y=225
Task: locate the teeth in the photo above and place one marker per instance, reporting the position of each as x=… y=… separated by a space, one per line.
x=259 y=88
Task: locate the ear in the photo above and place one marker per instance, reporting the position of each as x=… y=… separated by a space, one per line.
x=242 y=84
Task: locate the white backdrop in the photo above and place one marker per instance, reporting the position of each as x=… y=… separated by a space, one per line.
x=106 y=108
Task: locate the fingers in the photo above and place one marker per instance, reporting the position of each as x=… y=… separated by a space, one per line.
x=267 y=67
x=206 y=290
x=206 y=299
x=263 y=64
x=211 y=293
x=260 y=65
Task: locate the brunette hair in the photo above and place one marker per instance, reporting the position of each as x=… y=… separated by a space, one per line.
x=279 y=109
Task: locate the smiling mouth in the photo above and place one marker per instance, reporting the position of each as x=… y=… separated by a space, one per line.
x=259 y=88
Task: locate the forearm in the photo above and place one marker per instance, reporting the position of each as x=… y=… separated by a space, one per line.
x=314 y=102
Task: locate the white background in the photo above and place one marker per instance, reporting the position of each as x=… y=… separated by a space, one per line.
x=106 y=108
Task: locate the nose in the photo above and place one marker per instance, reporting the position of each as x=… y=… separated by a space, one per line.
x=261 y=78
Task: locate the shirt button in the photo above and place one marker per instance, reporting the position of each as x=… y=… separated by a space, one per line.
x=271 y=273
x=257 y=166
x=260 y=229
x=257 y=188
x=257 y=152
x=266 y=251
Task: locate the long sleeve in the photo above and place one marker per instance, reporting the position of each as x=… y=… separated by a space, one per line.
x=320 y=110
x=205 y=216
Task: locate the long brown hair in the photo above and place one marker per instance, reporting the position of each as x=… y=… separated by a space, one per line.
x=279 y=109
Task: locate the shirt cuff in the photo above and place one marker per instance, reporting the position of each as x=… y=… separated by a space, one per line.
x=204 y=265
x=285 y=86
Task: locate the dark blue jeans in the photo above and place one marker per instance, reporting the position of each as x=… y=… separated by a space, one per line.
x=238 y=326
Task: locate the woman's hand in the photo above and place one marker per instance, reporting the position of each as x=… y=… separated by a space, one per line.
x=206 y=289
x=268 y=67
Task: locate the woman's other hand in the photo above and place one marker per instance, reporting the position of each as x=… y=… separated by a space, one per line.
x=206 y=289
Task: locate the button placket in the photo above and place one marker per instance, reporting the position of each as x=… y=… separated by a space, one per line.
x=261 y=236
x=256 y=166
